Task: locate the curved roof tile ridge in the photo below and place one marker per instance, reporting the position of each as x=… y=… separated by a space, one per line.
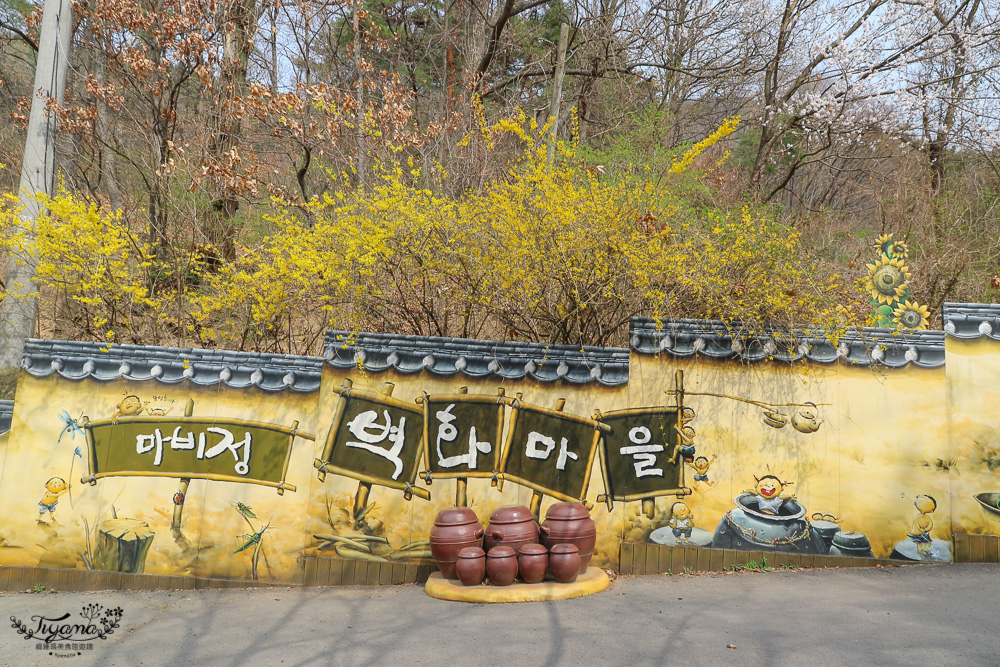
x=715 y=339
x=77 y=360
x=476 y=358
x=972 y=320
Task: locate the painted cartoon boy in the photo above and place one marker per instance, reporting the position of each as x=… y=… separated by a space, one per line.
x=700 y=467
x=768 y=491
x=681 y=522
x=54 y=489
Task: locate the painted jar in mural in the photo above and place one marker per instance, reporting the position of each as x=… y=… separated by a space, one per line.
x=454 y=529
x=501 y=565
x=512 y=526
x=570 y=523
x=990 y=504
x=533 y=563
x=747 y=527
x=471 y=566
x=850 y=543
x=564 y=563
x=825 y=529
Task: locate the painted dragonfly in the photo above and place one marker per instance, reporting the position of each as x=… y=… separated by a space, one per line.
x=70 y=424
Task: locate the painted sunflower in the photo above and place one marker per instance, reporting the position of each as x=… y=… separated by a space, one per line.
x=887 y=279
x=887 y=245
x=911 y=315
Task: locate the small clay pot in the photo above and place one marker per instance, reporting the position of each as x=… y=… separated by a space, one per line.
x=471 y=566
x=511 y=526
x=454 y=529
x=501 y=565
x=570 y=523
x=564 y=563
x=533 y=563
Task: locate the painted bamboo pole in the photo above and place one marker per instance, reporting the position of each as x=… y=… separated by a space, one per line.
x=181 y=495
x=461 y=483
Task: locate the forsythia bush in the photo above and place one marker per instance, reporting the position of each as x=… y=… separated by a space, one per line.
x=553 y=252
x=91 y=271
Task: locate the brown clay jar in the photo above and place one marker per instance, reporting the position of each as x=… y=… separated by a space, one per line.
x=533 y=563
x=501 y=565
x=454 y=529
x=470 y=567
x=570 y=523
x=564 y=563
x=511 y=526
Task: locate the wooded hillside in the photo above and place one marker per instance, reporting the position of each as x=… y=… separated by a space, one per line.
x=248 y=173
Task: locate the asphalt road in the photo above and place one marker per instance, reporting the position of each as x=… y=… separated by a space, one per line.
x=918 y=615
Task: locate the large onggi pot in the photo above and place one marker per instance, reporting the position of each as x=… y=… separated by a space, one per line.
x=850 y=543
x=570 y=523
x=454 y=529
x=826 y=530
x=746 y=527
x=511 y=526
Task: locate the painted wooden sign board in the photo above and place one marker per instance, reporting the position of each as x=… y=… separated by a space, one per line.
x=549 y=451
x=639 y=454
x=463 y=435
x=203 y=448
x=375 y=439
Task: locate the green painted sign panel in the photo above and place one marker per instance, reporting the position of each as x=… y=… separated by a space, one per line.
x=463 y=435
x=377 y=439
x=189 y=447
x=550 y=453
x=638 y=452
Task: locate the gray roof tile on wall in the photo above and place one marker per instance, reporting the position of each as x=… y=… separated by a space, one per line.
x=76 y=360
x=6 y=414
x=477 y=358
x=972 y=320
x=713 y=339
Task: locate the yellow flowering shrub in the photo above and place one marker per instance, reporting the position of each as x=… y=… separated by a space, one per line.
x=550 y=252
x=9 y=225
x=548 y=249
x=91 y=271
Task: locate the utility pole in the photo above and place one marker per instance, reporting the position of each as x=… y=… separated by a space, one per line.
x=557 y=86
x=362 y=163
x=20 y=307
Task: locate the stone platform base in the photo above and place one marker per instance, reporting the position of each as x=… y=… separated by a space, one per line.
x=594 y=580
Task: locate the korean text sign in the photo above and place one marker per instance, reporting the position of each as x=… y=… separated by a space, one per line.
x=640 y=454
x=375 y=439
x=191 y=447
x=549 y=451
x=463 y=434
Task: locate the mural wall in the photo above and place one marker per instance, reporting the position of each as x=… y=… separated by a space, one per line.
x=973 y=399
x=225 y=464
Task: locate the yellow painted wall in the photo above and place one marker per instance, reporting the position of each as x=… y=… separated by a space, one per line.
x=208 y=540
x=883 y=431
x=888 y=436
x=973 y=398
